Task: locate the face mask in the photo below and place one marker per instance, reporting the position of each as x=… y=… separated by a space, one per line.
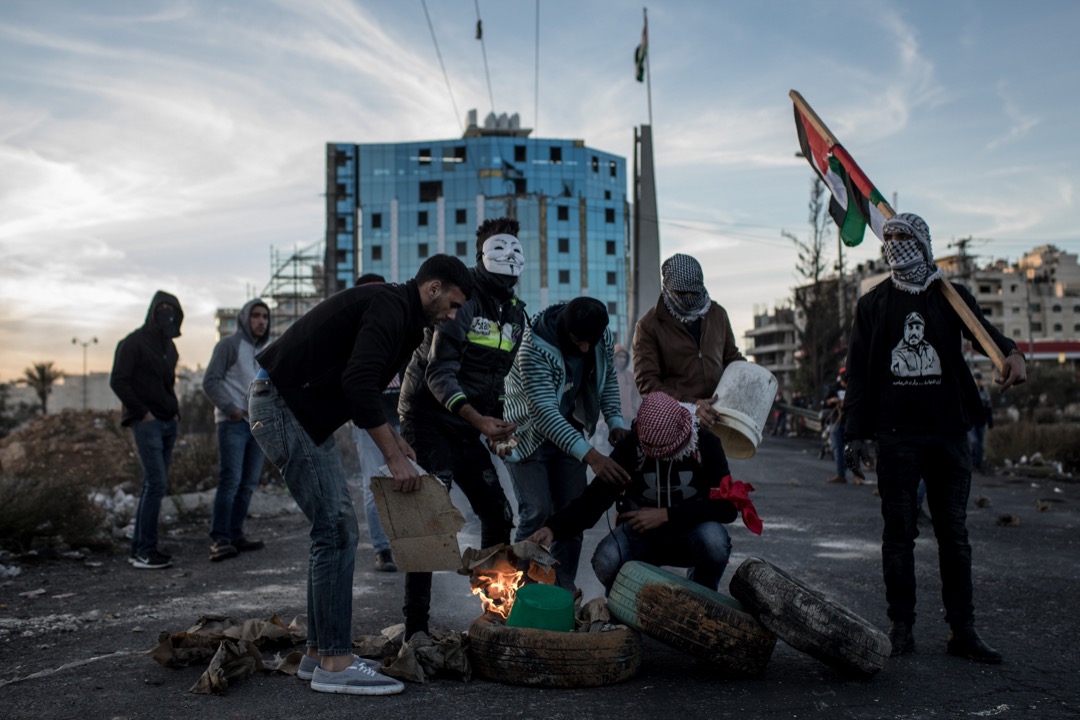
x=165 y=319
x=502 y=255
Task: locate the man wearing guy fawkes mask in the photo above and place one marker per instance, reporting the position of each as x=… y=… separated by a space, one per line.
x=143 y=377
x=452 y=394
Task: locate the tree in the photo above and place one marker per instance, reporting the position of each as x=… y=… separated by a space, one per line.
x=821 y=341
x=41 y=377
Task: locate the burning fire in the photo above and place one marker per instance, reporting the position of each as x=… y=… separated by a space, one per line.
x=497 y=589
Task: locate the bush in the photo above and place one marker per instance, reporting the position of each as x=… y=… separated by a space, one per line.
x=1059 y=442
x=49 y=507
x=194 y=466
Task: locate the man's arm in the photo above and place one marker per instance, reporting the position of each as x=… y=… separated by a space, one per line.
x=121 y=379
x=646 y=352
x=1015 y=370
x=225 y=355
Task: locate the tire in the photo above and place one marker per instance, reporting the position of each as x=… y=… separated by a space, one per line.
x=689 y=617
x=808 y=621
x=543 y=658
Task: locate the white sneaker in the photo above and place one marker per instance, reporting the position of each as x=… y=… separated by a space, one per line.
x=357 y=679
x=308 y=664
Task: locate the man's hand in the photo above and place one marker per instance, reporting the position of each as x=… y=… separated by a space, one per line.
x=503 y=447
x=606 y=469
x=495 y=429
x=147 y=417
x=706 y=415
x=856 y=456
x=238 y=415
x=404 y=447
x=543 y=536
x=1014 y=372
x=646 y=518
x=406 y=479
x=616 y=435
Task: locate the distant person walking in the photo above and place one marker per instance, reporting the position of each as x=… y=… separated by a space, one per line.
x=226 y=382
x=144 y=378
x=980 y=426
x=329 y=367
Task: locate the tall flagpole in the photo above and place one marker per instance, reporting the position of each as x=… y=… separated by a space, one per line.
x=648 y=73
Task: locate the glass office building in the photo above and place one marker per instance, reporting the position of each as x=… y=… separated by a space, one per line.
x=390 y=206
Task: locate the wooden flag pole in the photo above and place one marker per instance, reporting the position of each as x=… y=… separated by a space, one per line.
x=990 y=348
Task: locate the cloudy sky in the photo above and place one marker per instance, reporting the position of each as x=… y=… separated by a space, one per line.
x=170 y=144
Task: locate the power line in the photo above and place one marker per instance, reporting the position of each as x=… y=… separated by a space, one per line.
x=438 y=53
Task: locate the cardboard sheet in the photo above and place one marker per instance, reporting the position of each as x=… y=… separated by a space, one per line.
x=422 y=525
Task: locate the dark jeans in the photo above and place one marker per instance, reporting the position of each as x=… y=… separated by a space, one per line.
x=467 y=462
x=240 y=463
x=978 y=445
x=545 y=483
x=154 y=440
x=703 y=548
x=316 y=480
x=944 y=462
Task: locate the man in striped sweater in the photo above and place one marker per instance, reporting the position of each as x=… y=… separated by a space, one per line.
x=562 y=381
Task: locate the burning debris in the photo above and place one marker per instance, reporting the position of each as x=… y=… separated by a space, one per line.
x=496 y=573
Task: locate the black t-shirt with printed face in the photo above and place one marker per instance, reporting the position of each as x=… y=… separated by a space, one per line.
x=916 y=397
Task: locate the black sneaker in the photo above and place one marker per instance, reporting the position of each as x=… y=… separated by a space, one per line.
x=384 y=561
x=222 y=550
x=901 y=638
x=965 y=642
x=245 y=545
x=149 y=560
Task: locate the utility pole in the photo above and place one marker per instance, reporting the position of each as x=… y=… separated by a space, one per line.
x=84 y=343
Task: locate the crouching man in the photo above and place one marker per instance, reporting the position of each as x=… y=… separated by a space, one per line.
x=673 y=509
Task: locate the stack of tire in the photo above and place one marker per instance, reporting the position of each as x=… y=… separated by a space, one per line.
x=707 y=625
x=808 y=621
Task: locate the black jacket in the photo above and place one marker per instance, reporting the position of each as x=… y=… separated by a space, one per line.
x=144 y=368
x=868 y=364
x=681 y=486
x=465 y=360
x=332 y=364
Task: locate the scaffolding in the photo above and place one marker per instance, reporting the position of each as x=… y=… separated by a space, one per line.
x=296 y=285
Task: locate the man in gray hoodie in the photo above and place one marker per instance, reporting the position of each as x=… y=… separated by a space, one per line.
x=240 y=459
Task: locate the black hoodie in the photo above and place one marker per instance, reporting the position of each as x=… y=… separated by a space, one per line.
x=144 y=367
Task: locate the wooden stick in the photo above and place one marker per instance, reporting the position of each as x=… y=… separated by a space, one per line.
x=990 y=348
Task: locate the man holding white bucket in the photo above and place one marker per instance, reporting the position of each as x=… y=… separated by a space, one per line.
x=682 y=346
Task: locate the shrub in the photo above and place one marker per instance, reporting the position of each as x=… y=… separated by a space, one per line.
x=51 y=507
x=1059 y=442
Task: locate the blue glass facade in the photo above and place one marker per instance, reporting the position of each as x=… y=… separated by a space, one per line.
x=390 y=206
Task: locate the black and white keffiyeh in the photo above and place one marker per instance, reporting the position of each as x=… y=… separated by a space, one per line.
x=911 y=263
x=683 y=288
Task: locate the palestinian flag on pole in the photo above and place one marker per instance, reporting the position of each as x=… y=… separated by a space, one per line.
x=641 y=53
x=855 y=200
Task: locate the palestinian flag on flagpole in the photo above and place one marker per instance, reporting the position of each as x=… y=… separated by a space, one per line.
x=641 y=53
x=855 y=201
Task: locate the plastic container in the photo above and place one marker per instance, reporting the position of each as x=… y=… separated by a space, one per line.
x=542 y=607
x=744 y=397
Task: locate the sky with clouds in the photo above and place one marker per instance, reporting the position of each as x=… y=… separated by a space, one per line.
x=170 y=144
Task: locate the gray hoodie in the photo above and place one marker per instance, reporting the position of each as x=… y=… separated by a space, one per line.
x=232 y=365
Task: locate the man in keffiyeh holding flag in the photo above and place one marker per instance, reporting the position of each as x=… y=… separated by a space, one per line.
x=673 y=509
x=911 y=390
x=682 y=345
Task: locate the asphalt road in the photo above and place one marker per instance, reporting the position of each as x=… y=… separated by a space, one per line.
x=78 y=648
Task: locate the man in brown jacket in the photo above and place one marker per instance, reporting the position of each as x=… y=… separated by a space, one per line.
x=682 y=345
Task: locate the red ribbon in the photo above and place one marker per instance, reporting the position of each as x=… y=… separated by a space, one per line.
x=737 y=493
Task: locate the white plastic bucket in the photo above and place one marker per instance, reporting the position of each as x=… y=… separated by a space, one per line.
x=744 y=397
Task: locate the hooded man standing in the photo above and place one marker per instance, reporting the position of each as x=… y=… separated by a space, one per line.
x=331 y=366
x=562 y=380
x=682 y=345
x=144 y=378
x=240 y=460
x=909 y=388
x=453 y=393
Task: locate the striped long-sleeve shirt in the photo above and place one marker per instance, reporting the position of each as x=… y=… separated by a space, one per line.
x=534 y=388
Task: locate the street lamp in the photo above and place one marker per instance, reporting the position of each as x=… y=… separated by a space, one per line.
x=84 y=343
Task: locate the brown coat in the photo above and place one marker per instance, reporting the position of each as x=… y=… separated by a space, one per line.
x=667 y=359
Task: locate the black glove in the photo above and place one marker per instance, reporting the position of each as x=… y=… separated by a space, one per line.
x=856 y=456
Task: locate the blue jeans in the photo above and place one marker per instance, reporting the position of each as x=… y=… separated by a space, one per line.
x=371 y=458
x=977 y=435
x=316 y=480
x=944 y=462
x=703 y=548
x=545 y=483
x=837 y=440
x=240 y=463
x=154 y=440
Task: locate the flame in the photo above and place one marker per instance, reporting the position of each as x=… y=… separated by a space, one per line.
x=497 y=590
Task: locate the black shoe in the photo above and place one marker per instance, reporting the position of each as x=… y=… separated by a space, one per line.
x=150 y=560
x=902 y=638
x=384 y=561
x=222 y=550
x=965 y=642
x=245 y=545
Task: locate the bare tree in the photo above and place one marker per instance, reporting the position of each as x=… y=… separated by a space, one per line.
x=820 y=338
x=41 y=377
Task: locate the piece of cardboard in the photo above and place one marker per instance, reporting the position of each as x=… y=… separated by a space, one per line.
x=422 y=525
